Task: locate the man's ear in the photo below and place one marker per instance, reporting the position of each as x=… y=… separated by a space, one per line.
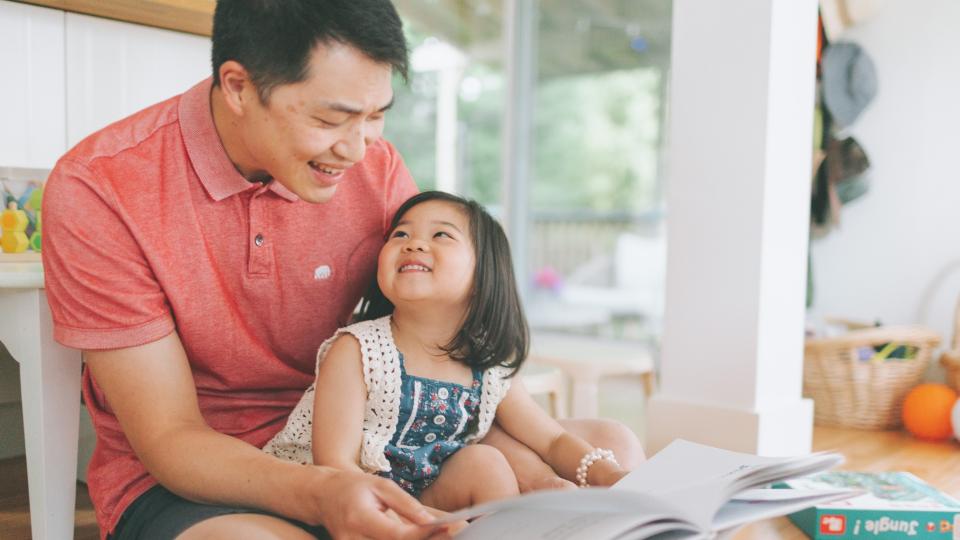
x=236 y=86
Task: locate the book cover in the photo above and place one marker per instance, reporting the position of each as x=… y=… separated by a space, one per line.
x=895 y=505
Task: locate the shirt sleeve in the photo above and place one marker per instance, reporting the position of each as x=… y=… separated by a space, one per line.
x=101 y=289
x=399 y=186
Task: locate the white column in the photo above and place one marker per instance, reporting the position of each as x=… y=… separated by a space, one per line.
x=738 y=196
x=448 y=136
x=520 y=35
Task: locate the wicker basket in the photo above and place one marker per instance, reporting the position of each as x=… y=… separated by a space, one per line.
x=950 y=360
x=850 y=392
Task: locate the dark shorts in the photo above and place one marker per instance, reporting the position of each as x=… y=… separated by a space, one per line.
x=158 y=514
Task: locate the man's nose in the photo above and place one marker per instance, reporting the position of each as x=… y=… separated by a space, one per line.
x=353 y=145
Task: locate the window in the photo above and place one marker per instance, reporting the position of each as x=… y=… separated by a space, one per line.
x=595 y=241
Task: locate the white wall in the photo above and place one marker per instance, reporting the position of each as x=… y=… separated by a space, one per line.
x=95 y=71
x=893 y=242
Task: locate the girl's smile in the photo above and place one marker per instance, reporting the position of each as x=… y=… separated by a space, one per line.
x=413 y=266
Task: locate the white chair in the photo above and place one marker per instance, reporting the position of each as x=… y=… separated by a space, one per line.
x=550 y=382
x=586 y=360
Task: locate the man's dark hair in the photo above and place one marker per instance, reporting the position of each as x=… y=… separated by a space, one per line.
x=273 y=39
x=494 y=331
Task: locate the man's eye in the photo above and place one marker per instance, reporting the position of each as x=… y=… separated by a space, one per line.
x=326 y=123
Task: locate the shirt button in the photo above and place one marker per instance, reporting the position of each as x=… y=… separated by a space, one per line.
x=443 y=393
x=430 y=437
x=258 y=240
x=439 y=419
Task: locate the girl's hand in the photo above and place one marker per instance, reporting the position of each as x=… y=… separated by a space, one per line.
x=605 y=473
x=614 y=477
x=547 y=483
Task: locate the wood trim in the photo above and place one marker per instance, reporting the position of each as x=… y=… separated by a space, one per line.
x=26 y=256
x=191 y=16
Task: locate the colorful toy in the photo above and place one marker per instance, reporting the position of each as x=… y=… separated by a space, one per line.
x=956 y=420
x=926 y=411
x=14 y=222
x=35 y=237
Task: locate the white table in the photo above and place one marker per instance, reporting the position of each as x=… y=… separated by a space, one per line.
x=587 y=359
x=550 y=313
x=50 y=390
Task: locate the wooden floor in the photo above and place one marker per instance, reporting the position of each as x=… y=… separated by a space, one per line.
x=938 y=464
x=15 y=507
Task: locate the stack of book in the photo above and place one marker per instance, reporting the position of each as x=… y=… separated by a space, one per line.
x=893 y=506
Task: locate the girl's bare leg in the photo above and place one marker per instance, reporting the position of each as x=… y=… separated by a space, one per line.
x=475 y=474
x=533 y=474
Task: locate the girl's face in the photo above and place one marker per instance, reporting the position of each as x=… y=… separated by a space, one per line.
x=429 y=256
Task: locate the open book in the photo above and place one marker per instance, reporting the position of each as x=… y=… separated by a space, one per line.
x=686 y=491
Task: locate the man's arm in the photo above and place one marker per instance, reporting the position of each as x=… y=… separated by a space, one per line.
x=150 y=389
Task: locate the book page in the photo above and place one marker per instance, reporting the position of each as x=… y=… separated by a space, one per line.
x=739 y=512
x=641 y=507
x=544 y=524
x=684 y=463
x=701 y=479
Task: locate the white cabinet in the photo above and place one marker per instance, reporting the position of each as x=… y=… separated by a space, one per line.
x=32 y=88
x=115 y=69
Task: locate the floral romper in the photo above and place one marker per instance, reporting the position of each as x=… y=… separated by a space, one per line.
x=435 y=417
x=411 y=424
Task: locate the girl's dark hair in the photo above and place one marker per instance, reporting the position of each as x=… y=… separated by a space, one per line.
x=494 y=331
x=273 y=39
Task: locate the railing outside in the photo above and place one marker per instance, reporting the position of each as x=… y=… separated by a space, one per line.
x=566 y=241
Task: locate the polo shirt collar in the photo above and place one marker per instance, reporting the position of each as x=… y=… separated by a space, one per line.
x=210 y=161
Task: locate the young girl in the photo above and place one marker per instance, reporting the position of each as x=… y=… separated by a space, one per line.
x=405 y=392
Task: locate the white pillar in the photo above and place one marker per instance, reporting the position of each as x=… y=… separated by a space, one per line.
x=448 y=136
x=520 y=36
x=738 y=197
x=449 y=64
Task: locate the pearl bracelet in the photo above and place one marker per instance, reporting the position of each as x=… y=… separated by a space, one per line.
x=589 y=459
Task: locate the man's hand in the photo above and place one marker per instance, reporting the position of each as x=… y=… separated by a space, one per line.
x=360 y=505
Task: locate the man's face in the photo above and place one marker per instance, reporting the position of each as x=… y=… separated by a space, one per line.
x=309 y=133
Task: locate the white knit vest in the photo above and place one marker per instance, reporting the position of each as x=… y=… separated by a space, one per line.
x=381 y=373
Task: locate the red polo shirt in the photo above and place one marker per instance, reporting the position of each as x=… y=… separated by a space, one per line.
x=149 y=229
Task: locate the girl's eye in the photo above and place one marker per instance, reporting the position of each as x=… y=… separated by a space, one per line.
x=398 y=234
x=441 y=233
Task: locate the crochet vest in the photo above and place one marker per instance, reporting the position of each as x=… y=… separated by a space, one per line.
x=381 y=373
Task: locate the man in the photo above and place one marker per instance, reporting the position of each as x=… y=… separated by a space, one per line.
x=199 y=251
